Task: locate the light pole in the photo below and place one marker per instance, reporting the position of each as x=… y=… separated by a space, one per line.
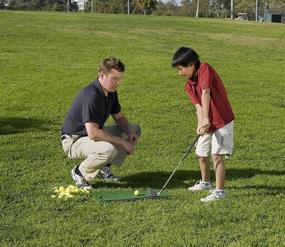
x=256 y=10
x=67 y=5
x=128 y=7
x=232 y=9
x=197 y=11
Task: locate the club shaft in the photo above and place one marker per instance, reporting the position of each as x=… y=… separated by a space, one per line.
x=179 y=163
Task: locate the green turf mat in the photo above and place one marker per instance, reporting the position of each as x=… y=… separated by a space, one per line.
x=125 y=195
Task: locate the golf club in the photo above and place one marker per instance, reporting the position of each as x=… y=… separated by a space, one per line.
x=187 y=152
x=149 y=194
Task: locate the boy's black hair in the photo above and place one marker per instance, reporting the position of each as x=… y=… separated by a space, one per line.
x=185 y=56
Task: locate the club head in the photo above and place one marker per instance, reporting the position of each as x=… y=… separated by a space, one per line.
x=152 y=193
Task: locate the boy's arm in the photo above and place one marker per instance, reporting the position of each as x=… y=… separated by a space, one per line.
x=199 y=117
x=205 y=123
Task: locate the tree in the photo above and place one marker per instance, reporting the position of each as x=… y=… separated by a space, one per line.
x=202 y=7
x=187 y=8
x=275 y=3
x=147 y=5
x=219 y=8
x=118 y=6
x=246 y=6
x=3 y=4
x=20 y=5
x=107 y=6
x=54 y=5
x=168 y=8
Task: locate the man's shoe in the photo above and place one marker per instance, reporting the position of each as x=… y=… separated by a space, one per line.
x=213 y=196
x=107 y=175
x=80 y=180
x=199 y=186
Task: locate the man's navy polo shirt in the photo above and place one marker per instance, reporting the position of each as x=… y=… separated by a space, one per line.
x=90 y=105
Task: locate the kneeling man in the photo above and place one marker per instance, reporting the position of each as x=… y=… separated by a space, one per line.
x=84 y=136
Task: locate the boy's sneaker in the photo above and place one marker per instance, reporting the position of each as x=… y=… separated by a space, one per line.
x=213 y=196
x=199 y=185
x=80 y=180
x=107 y=175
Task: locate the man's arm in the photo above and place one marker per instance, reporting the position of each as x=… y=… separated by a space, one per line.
x=123 y=124
x=97 y=134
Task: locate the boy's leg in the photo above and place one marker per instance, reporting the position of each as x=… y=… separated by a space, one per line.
x=202 y=150
x=219 y=170
x=204 y=168
x=222 y=144
x=219 y=192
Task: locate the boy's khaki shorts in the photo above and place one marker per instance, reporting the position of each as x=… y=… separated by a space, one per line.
x=219 y=142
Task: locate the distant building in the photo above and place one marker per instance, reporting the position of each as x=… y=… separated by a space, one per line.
x=273 y=15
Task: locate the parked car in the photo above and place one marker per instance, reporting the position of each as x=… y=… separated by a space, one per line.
x=242 y=16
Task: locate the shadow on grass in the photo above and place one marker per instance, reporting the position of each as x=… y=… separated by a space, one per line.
x=260 y=189
x=13 y=125
x=181 y=179
x=152 y=179
x=236 y=173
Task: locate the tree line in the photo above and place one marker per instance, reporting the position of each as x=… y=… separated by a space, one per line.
x=205 y=8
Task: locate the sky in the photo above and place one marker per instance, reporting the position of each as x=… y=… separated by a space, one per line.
x=177 y=1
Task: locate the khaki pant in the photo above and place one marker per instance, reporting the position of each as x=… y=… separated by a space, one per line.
x=96 y=154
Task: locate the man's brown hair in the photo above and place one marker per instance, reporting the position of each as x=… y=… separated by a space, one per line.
x=111 y=63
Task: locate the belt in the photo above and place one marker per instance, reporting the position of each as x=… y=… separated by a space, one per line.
x=65 y=136
x=73 y=137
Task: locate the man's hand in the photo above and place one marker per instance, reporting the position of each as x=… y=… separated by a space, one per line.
x=133 y=138
x=123 y=124
x=128 y=146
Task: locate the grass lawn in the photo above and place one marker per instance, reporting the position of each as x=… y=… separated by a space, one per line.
x=46 y=58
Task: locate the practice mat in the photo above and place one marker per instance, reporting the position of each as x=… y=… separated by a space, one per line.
x=125 y=195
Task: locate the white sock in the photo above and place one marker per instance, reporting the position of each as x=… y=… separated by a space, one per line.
x=220 y=191
x=207 y=183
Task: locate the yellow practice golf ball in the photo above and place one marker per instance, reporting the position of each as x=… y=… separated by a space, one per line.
x=136 y=193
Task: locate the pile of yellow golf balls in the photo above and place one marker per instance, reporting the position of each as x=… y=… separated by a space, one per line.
x=68 y=192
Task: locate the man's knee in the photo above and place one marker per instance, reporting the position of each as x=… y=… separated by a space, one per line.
x=136 y=128
x=110 y=152
x=107 y=152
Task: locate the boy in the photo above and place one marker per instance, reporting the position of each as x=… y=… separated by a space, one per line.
x=215 y=119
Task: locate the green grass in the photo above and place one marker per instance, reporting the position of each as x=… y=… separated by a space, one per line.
x=46 y=58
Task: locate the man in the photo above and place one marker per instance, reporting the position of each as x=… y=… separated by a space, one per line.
x=84 y=135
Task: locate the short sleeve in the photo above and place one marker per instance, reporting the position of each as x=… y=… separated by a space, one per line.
x=89 y=111
x=116 y=107
x=191 y=94
x=205 y=77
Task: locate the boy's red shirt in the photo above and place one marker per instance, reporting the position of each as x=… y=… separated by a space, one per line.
x=220 y=111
